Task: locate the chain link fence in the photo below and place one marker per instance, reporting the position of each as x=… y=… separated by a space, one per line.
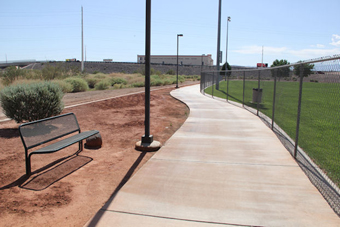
x=301 y=104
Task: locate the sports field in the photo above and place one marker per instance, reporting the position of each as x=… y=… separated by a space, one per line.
x=319 y=133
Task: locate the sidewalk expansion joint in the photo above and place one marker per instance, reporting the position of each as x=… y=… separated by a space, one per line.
x=225 y=163
x=179 y=219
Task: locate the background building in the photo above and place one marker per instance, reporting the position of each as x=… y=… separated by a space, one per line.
x=182 y=59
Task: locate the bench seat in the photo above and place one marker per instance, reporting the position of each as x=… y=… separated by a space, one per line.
x=66 y=142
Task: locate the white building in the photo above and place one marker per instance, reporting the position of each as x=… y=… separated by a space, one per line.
x=182 y=59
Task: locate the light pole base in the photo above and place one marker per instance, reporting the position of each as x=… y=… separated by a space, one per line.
x=153 y=146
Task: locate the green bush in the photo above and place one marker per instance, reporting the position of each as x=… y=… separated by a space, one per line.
x=78 y=84
x=171 y=72
x=138 y=84
x=118 y=86
x=50 y=72
x=92 y=82
x=117 y=80
x=102 y=85
x=11 y=73
x=168 y=82
x=65 y=87
x=29 y=102
x=156 y=82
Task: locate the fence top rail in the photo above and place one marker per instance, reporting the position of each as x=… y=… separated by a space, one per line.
x=317 y=60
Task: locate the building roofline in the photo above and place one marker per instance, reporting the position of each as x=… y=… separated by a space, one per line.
x=209 y=55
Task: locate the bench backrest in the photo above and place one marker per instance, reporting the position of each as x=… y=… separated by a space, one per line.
x=42 y=131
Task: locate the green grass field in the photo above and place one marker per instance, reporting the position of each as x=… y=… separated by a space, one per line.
x=320 y=116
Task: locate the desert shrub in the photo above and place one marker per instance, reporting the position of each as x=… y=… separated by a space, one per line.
x=171 y=72
x=50 y=72
x=117 y=80
x=100 y=76
x=102 y=85
x=11 y=73
x=168 y=82
x=91 y=82
x=118 y=86
x=65 y=87
x=156 y=82
x=29 y=102
x=181 y=79
x=32 y=74
x=78 y=84
x=138 y=84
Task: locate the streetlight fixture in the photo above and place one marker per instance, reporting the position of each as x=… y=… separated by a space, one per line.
x=178 y=35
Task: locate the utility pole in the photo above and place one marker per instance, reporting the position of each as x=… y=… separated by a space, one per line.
x=82 y=40
x=218 y=45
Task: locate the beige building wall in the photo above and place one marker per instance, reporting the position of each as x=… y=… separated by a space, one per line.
x=182 y=59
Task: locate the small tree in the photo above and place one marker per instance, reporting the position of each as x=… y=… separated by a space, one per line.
x=281 y=72
x=307 y=69
x=50 y=72
x=228 y=68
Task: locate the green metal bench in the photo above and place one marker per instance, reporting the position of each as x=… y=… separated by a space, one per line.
x=37 y=133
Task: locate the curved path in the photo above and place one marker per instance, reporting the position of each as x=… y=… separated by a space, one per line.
x=223 y=167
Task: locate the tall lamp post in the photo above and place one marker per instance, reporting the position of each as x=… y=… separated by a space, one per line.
x=226 y=59
x=147 y=143
x=218 y=45
x=178 y=35
x=226 y=55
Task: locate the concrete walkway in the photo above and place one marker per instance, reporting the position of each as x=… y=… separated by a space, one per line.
x=223 y=167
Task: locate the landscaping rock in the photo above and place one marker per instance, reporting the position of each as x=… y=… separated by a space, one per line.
x=94 y=142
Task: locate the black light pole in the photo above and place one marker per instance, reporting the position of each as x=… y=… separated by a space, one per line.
x=218 y=45
x=147 y=138
x=147 y=143
x=226 y=51
x=178 y=35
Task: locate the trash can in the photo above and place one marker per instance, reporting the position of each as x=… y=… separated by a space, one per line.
x=257 y=95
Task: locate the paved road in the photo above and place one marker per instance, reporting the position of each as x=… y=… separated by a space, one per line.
x=222 y=167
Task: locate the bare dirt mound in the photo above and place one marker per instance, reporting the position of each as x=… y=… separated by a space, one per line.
x=69 y=191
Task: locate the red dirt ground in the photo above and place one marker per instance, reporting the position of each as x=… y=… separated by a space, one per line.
x=72 y=190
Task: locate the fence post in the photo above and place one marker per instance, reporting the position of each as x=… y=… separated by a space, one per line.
x=258 y=87
x=299 y=111
x=274 y=99
x=201 y=81
x=244 y=85
x=212 y=86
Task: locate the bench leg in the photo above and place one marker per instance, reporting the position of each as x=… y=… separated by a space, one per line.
x=28 y=165
x=80 y=147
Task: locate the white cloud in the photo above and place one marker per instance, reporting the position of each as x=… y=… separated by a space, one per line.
x=287 y=53
x=335 y=40
x=318 y=46
x=258 y=50
x=313 y=53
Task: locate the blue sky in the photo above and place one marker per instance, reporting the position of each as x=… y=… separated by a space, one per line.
x=51 y=30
